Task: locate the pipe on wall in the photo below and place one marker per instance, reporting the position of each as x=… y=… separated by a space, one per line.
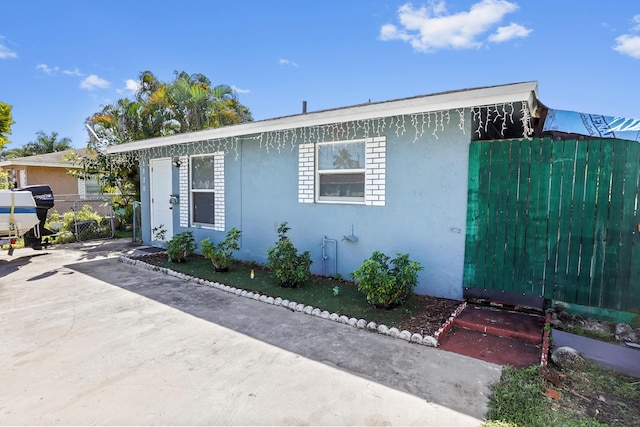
x=325 y=257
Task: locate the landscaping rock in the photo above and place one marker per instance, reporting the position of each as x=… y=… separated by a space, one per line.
x=567 y=357
x=405 y=335
x=626 y=333
x=429 y=341
x=417 y=338
x=604 y=328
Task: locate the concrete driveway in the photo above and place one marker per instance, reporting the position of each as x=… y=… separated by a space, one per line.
x=90 y=340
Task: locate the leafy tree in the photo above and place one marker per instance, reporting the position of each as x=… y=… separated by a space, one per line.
x=47 y=144
x=6 y=120
x=186 y=104
x=42 y=145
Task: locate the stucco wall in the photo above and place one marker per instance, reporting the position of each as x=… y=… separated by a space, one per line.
x=57 y=178
x=424 y=212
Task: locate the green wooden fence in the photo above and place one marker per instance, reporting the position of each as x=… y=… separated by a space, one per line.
x=556 y=218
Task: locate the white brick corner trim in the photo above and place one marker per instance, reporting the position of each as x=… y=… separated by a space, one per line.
x=306 y=173
x=218 y=185
x=183 y=176
x=375 y=171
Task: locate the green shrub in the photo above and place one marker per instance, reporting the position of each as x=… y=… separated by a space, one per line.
x=221 y=254
x=181 y=246
x=291 y=268
x=387 y=282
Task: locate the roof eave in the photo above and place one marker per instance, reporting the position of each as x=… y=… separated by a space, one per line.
x=527 y=91
x=9 y=163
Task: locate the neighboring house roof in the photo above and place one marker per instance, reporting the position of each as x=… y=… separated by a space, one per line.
x=53 y=160
x=466 y=98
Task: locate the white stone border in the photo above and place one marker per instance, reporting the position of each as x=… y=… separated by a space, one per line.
x=138 y=261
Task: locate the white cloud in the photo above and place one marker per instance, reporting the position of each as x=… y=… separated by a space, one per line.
x=628 y=45
x=6 y=53
x=46 y=69
x=431 y=27
x=238 y=90
x=132 y=85
x=282 y=61
x=94 y=82
x=74 y=72
x=509 y=32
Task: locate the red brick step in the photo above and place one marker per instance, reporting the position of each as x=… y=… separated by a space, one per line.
x=497 y=335
x=504 y=323
x=491 y=348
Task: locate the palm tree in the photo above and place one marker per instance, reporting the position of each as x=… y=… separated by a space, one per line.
x=343 y=160
x=186 y=104
x=197 y=105
x=46 y=144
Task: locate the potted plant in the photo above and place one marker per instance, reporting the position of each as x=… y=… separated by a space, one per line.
x=290 y=267
x=221 y=254
x=387 y=282
x=181 y=246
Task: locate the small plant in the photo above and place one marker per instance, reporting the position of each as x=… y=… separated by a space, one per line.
x=181 y=246
x=291 y=268
x=336 y=290
x=222 y=253
x=159 y=232
x=387 y=282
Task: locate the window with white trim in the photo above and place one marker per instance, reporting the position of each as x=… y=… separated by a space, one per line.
x=340 y=170
x=320 y=180
x=203 y=190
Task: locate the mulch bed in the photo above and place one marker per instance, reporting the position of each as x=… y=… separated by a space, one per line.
x=435 y=311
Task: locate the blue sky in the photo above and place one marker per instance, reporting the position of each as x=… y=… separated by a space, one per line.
x=61 y=61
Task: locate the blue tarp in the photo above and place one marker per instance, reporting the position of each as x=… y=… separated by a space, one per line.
x=592 y=125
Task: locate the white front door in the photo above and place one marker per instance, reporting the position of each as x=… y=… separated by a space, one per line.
x=160 y=186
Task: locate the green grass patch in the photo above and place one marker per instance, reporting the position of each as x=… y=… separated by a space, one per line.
x=317 y=291
x=123 y=234
x=592 y=396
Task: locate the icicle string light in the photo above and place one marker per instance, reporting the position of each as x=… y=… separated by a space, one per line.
x=500 y=116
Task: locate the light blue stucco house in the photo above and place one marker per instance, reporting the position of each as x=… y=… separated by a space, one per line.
x=389 y=176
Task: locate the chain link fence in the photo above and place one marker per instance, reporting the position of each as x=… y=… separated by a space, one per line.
x=89 y=218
